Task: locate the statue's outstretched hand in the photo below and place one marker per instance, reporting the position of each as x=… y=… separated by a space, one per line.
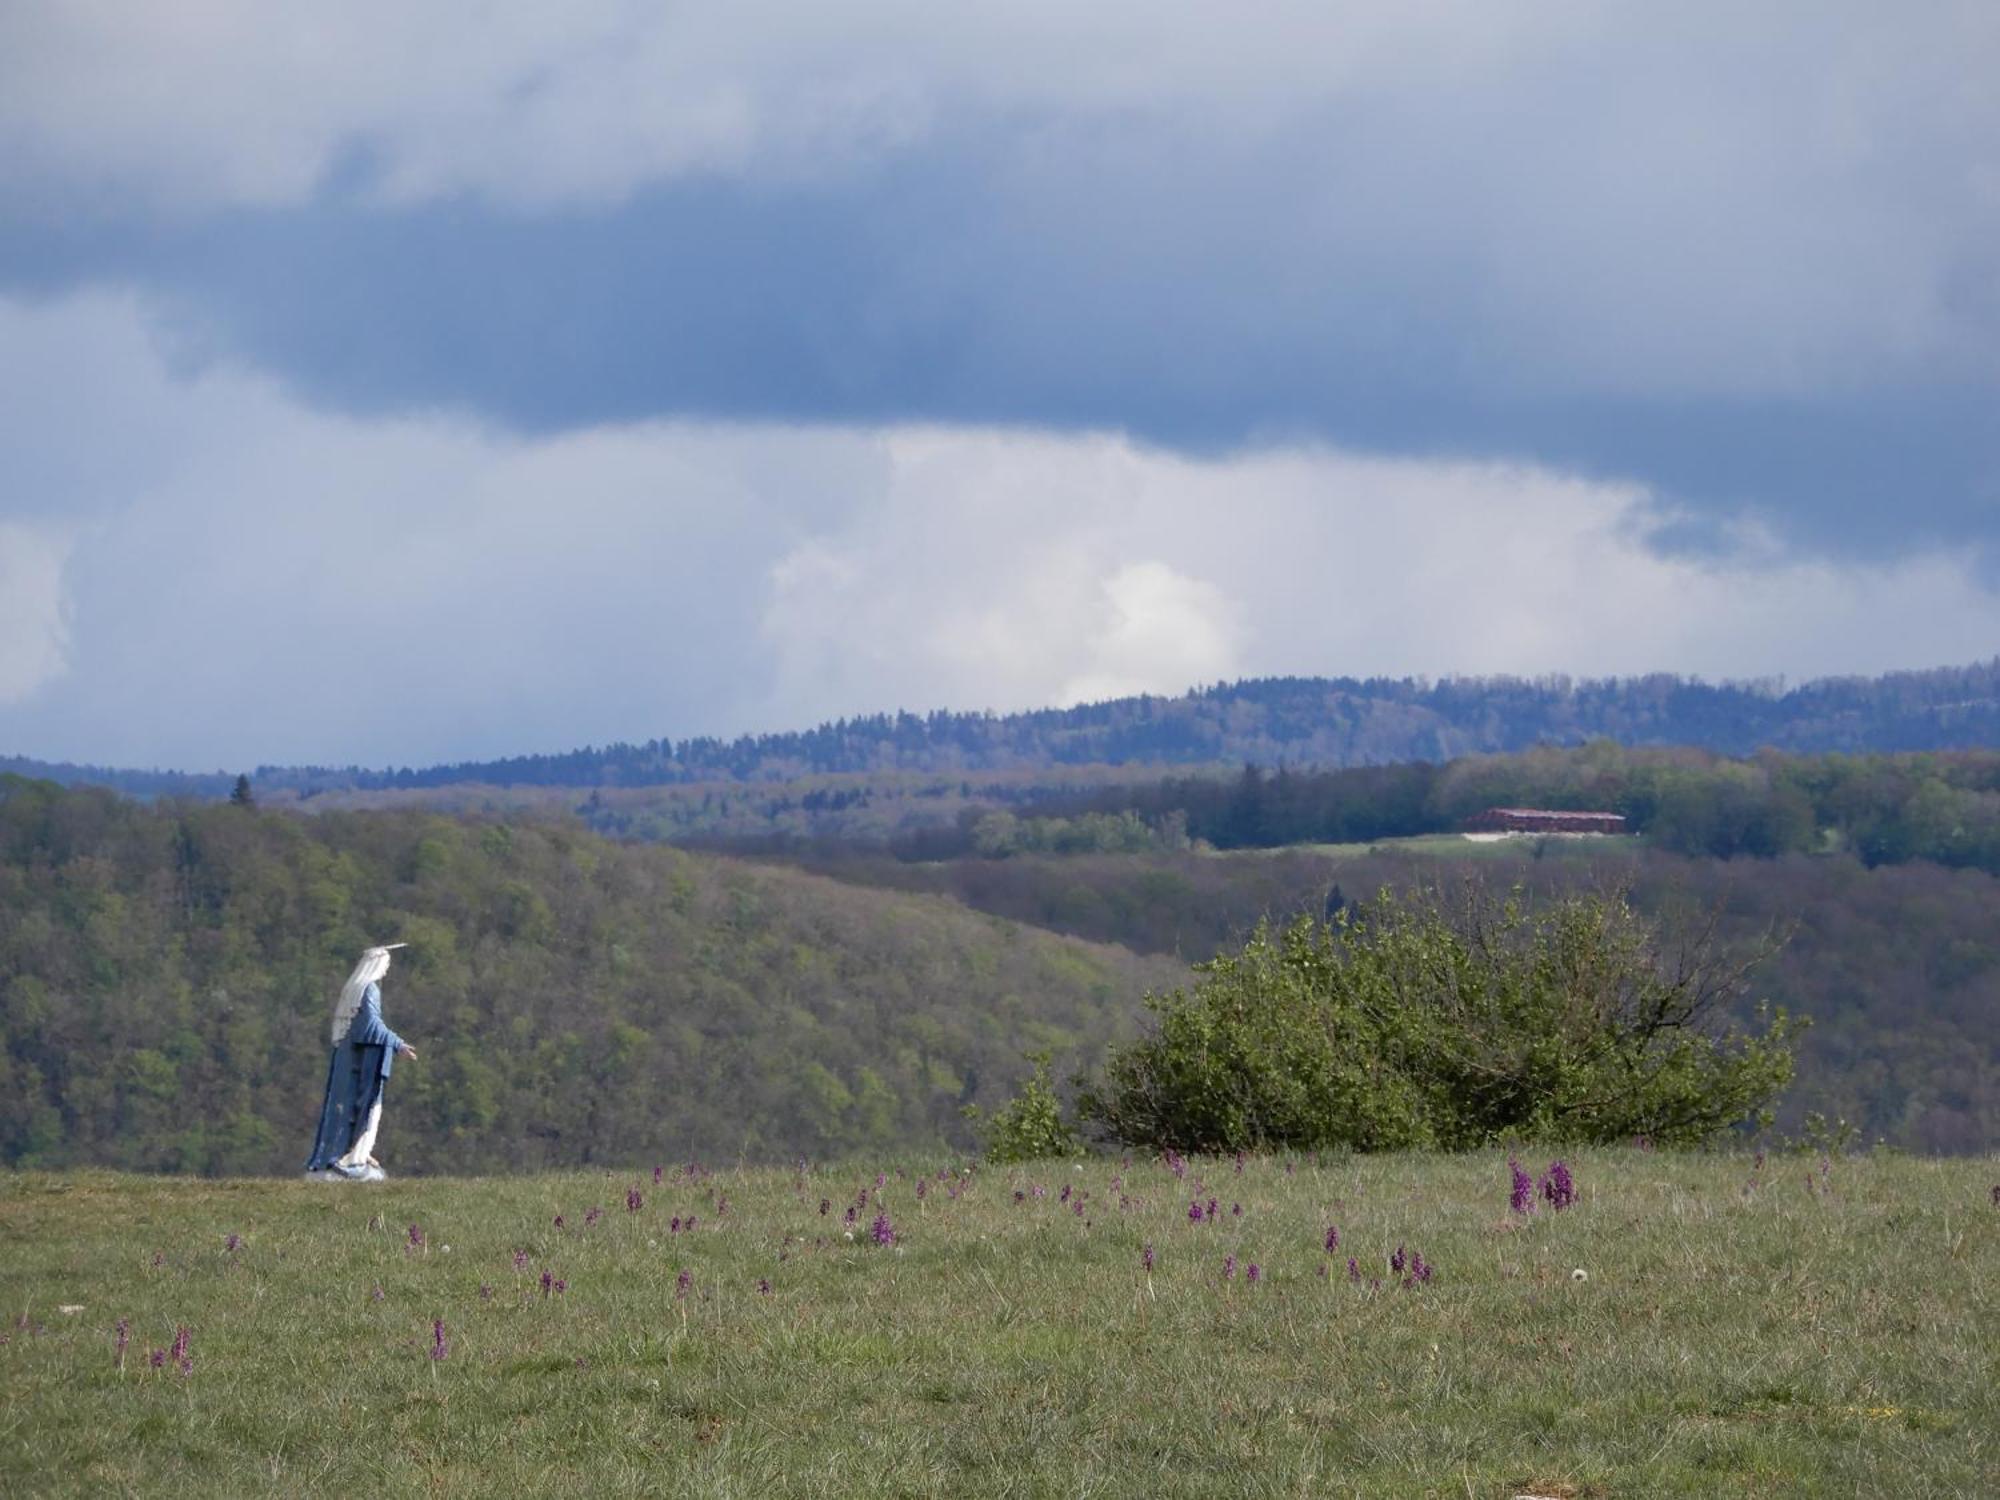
x=408 y=1050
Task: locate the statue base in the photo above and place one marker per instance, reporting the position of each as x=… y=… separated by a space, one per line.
x=334 y=1174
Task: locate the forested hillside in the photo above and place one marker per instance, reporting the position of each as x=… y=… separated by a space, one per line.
x=1301 y=721
x=167 y=972
x=1885 y=809
x=1899 y=966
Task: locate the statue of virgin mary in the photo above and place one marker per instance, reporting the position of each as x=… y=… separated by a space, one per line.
x=363 y=1050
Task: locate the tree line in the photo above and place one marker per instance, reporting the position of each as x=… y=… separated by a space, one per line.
x=1315 y=721
x=1885 y=809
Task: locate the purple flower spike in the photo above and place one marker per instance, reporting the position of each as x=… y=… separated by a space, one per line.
x=1558 y=1189
x=882 y=1230
x=1332 y=1238
x=440 y=1346
x=764 y=1286
x=520 y=1260
x=1398 y=1261
x=548 y=1282
x=1145 y=1258
x=683 y=1284
x=183 y=1357
x=1523 y=1199
x=125 y=1337
x=632 y=1199
x=157 y=1358
x=416 y=1238
x=233 y=1243
x=657 y=1173
x=1228 y=1268
x=1353 y=1270
x=1253 y=1275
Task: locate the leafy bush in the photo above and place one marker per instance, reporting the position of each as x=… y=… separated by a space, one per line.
x=1448 y=1022
x=1030 y=1126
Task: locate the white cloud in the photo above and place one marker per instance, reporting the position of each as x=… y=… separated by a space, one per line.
x=34 y=636
x=262 y=582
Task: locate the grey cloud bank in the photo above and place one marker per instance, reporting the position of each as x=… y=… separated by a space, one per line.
x=1751 y=259
x=292 y=585
x=465 y=379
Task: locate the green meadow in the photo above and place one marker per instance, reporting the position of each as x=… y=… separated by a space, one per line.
x=1692 y=1325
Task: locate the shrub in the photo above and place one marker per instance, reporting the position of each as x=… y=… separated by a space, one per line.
x=1438 y=1021
x=1030 y=1126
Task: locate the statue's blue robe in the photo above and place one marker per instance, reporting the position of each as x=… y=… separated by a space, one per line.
x=354 y=1081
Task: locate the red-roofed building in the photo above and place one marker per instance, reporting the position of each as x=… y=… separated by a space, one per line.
x=1503 y=820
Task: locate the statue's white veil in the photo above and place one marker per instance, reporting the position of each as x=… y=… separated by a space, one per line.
x=374 y=964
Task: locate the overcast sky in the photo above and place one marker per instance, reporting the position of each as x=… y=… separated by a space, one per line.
x=391 y=383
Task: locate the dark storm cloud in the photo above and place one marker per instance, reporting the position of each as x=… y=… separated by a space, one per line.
x=1200 y=294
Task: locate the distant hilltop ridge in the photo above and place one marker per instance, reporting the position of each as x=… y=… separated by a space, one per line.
x=1299 y=721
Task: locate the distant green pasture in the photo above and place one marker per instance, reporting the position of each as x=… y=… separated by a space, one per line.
x=1458 y=846
x=1695 y=1325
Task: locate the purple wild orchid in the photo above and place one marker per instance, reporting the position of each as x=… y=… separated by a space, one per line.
x=1523 y=1199
x=1398 y=1261
x=440 y=1346
x=683 y=1284
x=1228 y=1268
x=1558 y=1188
x=882 y=1231
x=1332 y=1238
x=1145 y=1259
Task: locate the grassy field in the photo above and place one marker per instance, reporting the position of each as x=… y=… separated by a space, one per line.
x=1692 y=1325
